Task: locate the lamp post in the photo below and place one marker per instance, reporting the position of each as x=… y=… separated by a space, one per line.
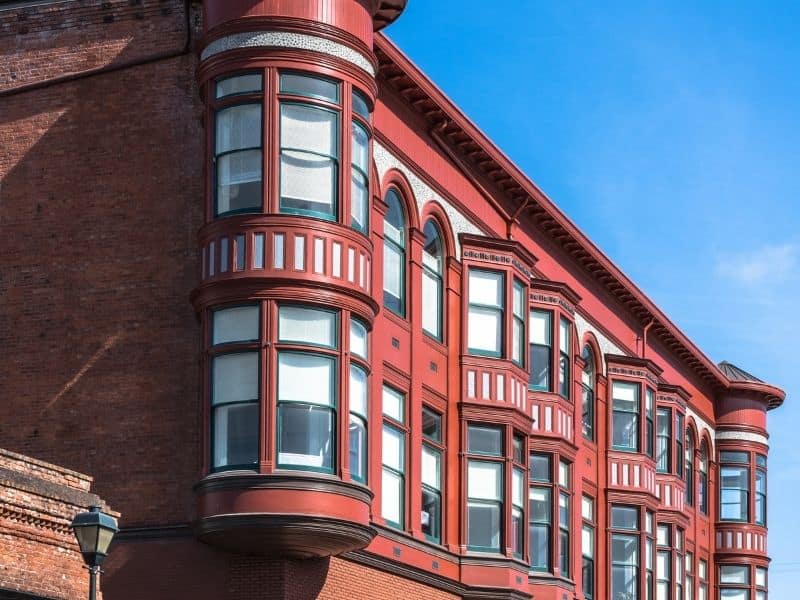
x=94 y=530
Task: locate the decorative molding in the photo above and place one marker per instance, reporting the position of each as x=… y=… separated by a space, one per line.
x=741 y=436
x=284 y=39
x=702 y=425
x=385 y=160
x=606 y=345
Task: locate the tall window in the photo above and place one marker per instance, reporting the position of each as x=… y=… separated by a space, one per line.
x=663 y=563
x=541 y=347
x=761 y=490
x=761 y=583
x=486 y=312
x=734 y=582
x=624 y=553
x=702 y=490
x=484 y=488
x=518 y=323
x=649 y=555
x=734 y=489
x=235 y=387
x=394 y=457
x=564 y=383
x=540 y=510
x=309 y=142
x=625 y=435
x=237 y=144
x=307 y=367
x=688 y=565
x=394 y=255
x=359 y=392
x=518 y=497
x=359 y=164
x=663 y=439
x=432 y=302
x=702 y=575
x=649 y=422
x=587 y=393
x=587 y=546
x=689 y=460
x=432 y=474
x=564 y=485
x=678 y=444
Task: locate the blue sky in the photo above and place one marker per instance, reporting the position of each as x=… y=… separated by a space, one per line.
x=670 y=133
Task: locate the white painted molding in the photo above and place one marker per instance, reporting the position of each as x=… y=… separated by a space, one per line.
x=743 y=436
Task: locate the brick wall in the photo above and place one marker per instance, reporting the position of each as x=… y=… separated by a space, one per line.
x=100 y=344
x=52 y=39
x=38 y=551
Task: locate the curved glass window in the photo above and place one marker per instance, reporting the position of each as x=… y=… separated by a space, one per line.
x=394 y=256
x=432 y=303
x=359 y=177
x=689 y=460
x=587 y=393
x=238 y=159
x=702 y=490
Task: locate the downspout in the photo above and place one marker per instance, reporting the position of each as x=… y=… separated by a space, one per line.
x=644 y=336
x=435 y=133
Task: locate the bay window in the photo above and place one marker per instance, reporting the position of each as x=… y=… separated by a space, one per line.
x=624 y=552
x=587 y=546
x=238 y=144
x=432 y=453
x=649 y=427
x=235 y=385
x=564 y=486
x=761 y=490
x=309 y=142
x=484 y=488
x=587 y=393
x=761 y=583
x=541 y=349
x=540 y=511
x=358 y=423
x=663 y=439
x=734 y=489
x=394 y=457
x=394 y=255
x=486 y=312
x=306 y=398
x=625 y=404
x=432 y=263
x=564 y=383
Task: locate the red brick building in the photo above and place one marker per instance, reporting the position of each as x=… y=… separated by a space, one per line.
x=310 y=360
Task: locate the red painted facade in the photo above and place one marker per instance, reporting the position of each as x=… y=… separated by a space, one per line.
x=310 y=394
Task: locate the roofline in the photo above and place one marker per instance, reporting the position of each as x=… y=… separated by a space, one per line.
x=452 y=112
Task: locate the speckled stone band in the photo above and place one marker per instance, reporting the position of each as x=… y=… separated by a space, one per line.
x=282 y=39
x=742 y=436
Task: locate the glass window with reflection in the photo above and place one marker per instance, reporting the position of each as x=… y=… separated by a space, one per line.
x=432 y=268
x=359 y=183
x=394 y=255
x=587 y=393
x=541 y=349
x=393 y=488
x=624 y=553
x=484 y=487
x=519 y=306
x=734 y=488
x=540 y=511
x=432 y=451
x=625 y=400
x=564 y=344
x=486 y=312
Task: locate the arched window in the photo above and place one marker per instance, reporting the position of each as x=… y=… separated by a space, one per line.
x=703 y=486
x=432 y=305
x=689 y=467
x=587 y=382
x=394 y=256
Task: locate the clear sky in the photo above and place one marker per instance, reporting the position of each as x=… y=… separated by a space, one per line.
x=670 y=133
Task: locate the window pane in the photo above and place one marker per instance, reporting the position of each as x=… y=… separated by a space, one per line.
x=308 y=182
x=519 y=300
x=626 y=396
x=761 y=577
x=539 y=467
x=739 y=457
x=392 y=497
x=587 y=541
x=393 y=404
x=394 y=224
x=540 y=367
x=305 y=85
x=360 y=105
x=626 y=430
x=236 y=434
x=540 y=327
x=484 y=480
x=239 y=84
x=486 y=288
x=239 y=181
x=483 y=524
x=734 y=595
x=587 y=508
x=393 y=277
x=431 y=425
x=360 y=149
x=734 y=574
x=539 y=506
x=431 y=467
x=625 y=550
x=563 y=510
x=235 y=377
x=305 y=436
x=484 y=440
x=431 y=517
x=624 y=517
x=394 y=448
x=305 y=378
x=517 y=342
x=539 y=538
x=485 y=329
x=358 y=338
x=307 y=325
x=563 y=336
x=517 y=487
x=359 y=200
x=358 y=391
x=358 y=449
x=662 y=535
x=431 y=304
x=563 y=474
x=237 y=324
x=238 y=127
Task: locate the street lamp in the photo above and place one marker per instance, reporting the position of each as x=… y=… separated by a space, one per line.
x=94 y=530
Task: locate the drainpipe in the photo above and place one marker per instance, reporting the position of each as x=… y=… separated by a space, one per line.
x=644 y=336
